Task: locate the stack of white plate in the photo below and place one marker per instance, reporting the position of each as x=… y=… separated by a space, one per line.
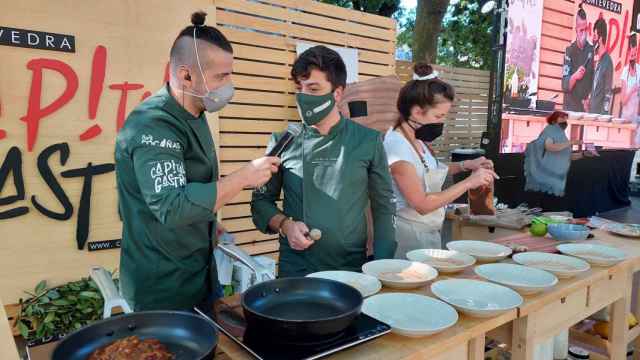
x=411 y=314
x=366 y=284
x=523 y=279
x=476 y=298
x=445 y=261
x=483 y=251
x=562 y=266
x=400 y=274
x=597 y=255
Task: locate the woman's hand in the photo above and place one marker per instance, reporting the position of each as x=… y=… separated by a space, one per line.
x=481 y=177
x=478 y=163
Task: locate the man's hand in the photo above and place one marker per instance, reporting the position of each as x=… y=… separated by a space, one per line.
x=579 y=74
x=295 y=232
x=259 y=171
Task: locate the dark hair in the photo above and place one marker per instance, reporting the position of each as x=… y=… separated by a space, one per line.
x=600 y=28
x=324 y=59
x=633 y=40
x=553 y=118
x=205 y=33
x=422 y=93
x=581 y=13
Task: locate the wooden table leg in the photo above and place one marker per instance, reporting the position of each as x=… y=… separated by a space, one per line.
x=619 y=328
x=476 y=348
x=522 y=344
x=636 y=310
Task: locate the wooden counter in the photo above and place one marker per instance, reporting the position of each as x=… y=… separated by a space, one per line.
x=464 y=340
x=572 y=300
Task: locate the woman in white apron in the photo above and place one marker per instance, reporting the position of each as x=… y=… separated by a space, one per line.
x=418 y=176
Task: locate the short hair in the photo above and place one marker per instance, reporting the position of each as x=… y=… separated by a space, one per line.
x=553 y=118
x=633 y=40
x=581 y=13
x=324 y=59
x=600 y=28
x=205 y=33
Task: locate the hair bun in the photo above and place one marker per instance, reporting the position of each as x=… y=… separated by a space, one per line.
x=422 y=69
x=198 y=18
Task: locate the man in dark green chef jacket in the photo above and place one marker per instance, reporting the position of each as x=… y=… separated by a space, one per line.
x=167 y=176
x=329 y=174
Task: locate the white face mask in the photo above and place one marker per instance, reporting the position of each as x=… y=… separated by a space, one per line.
x=214 y=100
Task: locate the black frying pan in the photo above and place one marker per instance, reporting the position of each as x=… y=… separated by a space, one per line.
x=300 y=310
x=186 y=335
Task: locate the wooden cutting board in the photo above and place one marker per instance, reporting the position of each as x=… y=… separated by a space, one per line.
x=533 y=243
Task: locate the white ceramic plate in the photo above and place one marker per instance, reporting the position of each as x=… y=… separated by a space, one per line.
x=445 y=261
x=366 y=284
x=411 y=314
x=562 y=266
x=523 y=279
x=483 y=251
x=400 y=274
x=597 y=255
x=476 y=298
x=628 y=230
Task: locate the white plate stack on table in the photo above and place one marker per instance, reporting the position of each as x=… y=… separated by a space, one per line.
x=596 y=255
x=366 y=284
x=411 y=314
x=564 y=267
x=400 y=274
x=445 y=261
x=523 y=279
x=483 y=251
x=627 y=230
x=476 y=298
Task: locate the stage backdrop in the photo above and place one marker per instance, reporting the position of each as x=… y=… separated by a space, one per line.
x=557 y=20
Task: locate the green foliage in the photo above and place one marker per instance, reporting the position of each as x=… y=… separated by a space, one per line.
x=465 y=39
x=379 y=7
x=59 y=310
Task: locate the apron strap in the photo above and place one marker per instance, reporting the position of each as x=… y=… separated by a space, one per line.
x=415 y=148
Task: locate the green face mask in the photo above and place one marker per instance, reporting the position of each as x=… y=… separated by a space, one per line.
x=314 y=108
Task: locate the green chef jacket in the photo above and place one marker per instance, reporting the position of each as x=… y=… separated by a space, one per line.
x=166 y=170
x=327 y=182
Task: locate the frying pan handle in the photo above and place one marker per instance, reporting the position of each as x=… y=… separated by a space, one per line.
x=237 y=253
x=109 y=292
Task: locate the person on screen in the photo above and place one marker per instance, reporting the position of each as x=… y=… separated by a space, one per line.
x=630 y=81
x=547 y=159
x=577 y=71
x=600 y=100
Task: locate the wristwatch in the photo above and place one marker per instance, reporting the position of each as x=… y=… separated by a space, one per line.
x=281 y=225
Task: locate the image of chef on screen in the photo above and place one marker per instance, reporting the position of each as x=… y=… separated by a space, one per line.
x=577 y=71
x=600 y=100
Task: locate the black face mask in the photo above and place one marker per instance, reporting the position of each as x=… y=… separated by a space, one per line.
x=563 y=125
x=427 y=132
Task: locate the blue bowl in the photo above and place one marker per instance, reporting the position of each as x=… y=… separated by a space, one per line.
x=568 y=232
